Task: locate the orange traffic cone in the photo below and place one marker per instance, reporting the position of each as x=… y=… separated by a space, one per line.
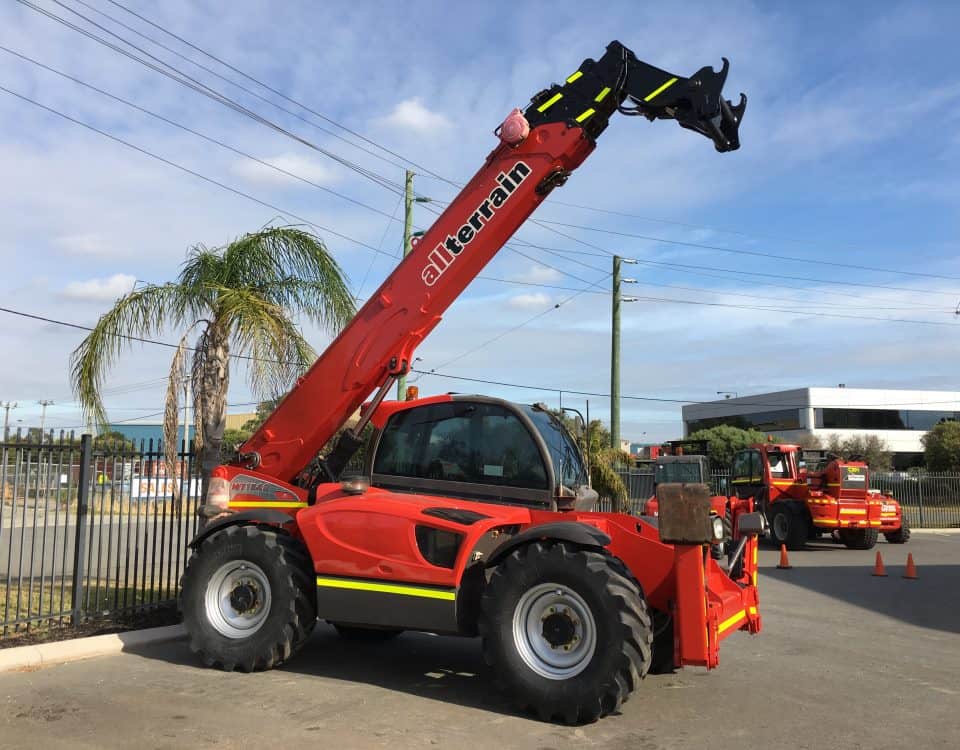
x=911 y=571
x=784 y=561
x=878 y=569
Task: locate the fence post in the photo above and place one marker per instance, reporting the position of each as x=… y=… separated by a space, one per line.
x=80 y=541
x=920 y=478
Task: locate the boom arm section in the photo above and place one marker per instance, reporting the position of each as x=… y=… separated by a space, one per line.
x=555 y=135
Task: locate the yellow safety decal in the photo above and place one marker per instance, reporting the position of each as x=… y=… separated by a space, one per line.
x=549 y=102
x=385 y=588
x=788 y=483
x=660 y=90
x=875 y=523
x=603 y=94
x=825 y=522
x=853 y=511
x=574 y=77
x=585 y=115
x=752 y=610
x=731 y=621
x=265 y=504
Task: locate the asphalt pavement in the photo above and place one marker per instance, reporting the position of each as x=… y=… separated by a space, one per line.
x=845 y=660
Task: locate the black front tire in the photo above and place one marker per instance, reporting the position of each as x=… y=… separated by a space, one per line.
x=901 y=535
x=599 y=593
x=789 y=526
x=859 y=538
x=287 y=579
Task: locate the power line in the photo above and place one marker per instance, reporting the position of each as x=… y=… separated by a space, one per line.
x=209 y=139
x=269 y=88
x=656 y=399
x=179 y=76
x=756 y=253
x=434 y=372
x=379 y=146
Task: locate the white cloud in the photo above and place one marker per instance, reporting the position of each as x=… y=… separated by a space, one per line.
x=295 y=164
x=100 y=290
x=529 y=301
x=411 y=114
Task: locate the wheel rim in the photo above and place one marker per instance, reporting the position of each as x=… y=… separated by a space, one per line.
x=780 y=526
x=237 y=599
x=554 y=631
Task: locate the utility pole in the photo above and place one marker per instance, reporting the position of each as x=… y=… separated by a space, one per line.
x=7 y=406
x=44 y=403
x=615 y=349
x=408 y=234
x=407 y=230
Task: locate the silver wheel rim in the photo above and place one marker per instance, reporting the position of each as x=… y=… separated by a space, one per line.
x=220 y=599
x=780 y=526
x=545 y=608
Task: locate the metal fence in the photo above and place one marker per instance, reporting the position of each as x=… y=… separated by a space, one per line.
x=89 y=530
x=929 y=499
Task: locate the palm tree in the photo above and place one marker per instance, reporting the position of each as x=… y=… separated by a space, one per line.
x=240 y=301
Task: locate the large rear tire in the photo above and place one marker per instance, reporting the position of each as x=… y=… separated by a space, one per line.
x=901 y=535
x=566 y=631
x=859 y=538
x=789 y=526
x=248 y=599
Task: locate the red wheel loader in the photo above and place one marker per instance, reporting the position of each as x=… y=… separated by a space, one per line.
x=473 y=516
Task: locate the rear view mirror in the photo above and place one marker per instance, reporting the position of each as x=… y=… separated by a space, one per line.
x=751 y=524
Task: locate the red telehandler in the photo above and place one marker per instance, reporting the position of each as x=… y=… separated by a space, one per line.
x=474 y=515
x=800 y=502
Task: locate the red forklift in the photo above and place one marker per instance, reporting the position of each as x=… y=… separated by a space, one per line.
x=473 y=515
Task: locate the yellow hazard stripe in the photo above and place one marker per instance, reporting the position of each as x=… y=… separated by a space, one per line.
x=265 y=504
x=731 y=621
x=585 y=115
x=385 y=588
x=550 y=102
x=853 y=511
x=574 y=77
x=603 y=94
x=825 y=522
x=660 y=90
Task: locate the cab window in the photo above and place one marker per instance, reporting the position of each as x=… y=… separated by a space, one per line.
x=779 y=464
x=461 y=442
x=567 y=464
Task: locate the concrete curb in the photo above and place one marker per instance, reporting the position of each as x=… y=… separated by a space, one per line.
x=60 y=652
x=942 y=532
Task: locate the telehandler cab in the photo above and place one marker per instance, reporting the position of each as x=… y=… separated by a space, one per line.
x=473 y=516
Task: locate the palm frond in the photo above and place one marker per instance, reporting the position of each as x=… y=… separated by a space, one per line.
x=275 y=259
x=140 y=314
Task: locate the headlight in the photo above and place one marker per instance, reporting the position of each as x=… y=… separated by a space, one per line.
x=717 y=529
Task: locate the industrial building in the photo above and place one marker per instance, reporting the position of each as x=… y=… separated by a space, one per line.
x=898 y=417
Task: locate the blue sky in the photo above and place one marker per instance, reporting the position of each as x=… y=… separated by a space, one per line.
x=851 y=146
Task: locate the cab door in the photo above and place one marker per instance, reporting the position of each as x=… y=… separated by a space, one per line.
x=746 y=477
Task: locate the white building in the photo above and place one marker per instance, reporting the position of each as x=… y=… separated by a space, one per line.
x=900 y=418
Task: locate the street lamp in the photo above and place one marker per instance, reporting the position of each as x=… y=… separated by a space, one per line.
x=727 y=394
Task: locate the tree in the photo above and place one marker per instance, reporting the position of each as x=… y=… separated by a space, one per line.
x=869 y=448
x=941 y=447
x=603 y=459
x=725 y=440
x=238 y=300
